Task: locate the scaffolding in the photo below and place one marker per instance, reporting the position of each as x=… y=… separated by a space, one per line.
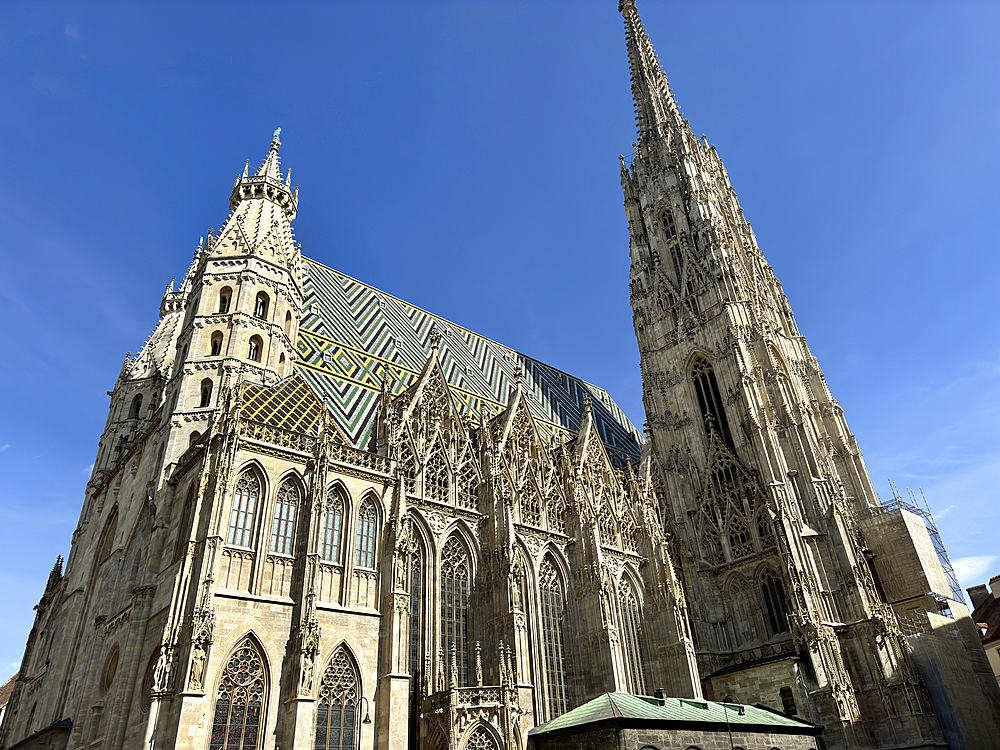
x=924 y=511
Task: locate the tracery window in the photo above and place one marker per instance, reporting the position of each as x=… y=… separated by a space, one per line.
x=531 y=505
x=244 y=509
x=407 y=468
x=765 y=532
x=629 y=536
x=711 y=545
x=740 y=541
x=436 y=476
x=468 y=483
x=107 y=536
x=337 y=707
x=455 y=577
x=673 y=245
x=554 y=508
x=333 y=520
x=364 y=551
x=286 y=507
x=775 y=604
x=632 y=638
x=709 y=400
x=553 y=637
x=481 y=739
x=606 y=523
x=741 y=611
x=240 y=702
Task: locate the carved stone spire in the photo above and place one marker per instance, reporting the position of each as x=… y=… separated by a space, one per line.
x=656 y=110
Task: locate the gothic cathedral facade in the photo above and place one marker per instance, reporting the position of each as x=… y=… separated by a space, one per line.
x=321 y=517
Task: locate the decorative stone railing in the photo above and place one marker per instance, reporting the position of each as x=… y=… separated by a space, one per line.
x=263 y=433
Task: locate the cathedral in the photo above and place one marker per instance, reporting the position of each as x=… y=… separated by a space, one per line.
x=321 y=517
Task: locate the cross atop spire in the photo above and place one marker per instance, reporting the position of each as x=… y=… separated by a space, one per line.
x=656 y=111
x=272 y=166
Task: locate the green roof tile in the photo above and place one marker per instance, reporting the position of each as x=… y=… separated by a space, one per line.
x=625 y=706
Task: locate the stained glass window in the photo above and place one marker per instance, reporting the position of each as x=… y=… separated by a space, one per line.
x=553 y=638
x=332 y=523
x=632 y=639
x=415 y=587
x=455 y=575
x=337 y=707
x=244 y=510
x=242 y=694
x=364 y=552
x=285 y=511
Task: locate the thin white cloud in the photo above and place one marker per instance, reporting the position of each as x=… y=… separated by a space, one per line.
x=943 y=513
x=88 y=470
x=4 y=447
x=72 y=32
x=972 y=571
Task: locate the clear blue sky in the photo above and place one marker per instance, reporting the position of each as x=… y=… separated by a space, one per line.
x=464 y=156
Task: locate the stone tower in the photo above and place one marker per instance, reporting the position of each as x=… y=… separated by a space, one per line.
x=763 y=487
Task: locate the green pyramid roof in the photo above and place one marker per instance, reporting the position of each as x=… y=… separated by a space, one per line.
x=644 y=709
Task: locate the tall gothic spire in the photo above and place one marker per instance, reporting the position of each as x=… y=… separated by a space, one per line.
x=656 y=111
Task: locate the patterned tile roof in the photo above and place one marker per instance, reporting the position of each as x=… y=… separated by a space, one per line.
x=352 y=333
x=625 y=706
x=289 y=405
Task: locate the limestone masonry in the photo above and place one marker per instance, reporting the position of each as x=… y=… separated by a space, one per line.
x=321 y=517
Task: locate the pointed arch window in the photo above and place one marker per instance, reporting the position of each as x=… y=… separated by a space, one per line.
x=333 y=521
x=740 y=541
x=436 y=476
x=455 y=577
x=468 y=485
x=415 y=583
x=244 y=509
x=481 y=739
x=673 y=244
x=606 y=523
x=107 y=536
x=240 y=702
x=407 y=469
x=336 y=709
x=286 y=506
x=632 y=638
x=553 y=637
x=133 y=412
x=554 y=509
x=531 y=505
x=364 y=551
x=775 y=604
x=709 y=400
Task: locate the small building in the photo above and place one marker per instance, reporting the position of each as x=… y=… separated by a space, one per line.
x=619 y=721
x=986 y=615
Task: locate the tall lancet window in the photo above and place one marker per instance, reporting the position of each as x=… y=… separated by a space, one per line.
x=286 y=507
x=244 y=509
x=707 y=389
x=673 y=245
x=455 y=577
x=415 y=583
x=553 y=638
x=333 y=520
x=336 y=709
x=364 y=552
x=632 y=638
x=240 y=701
x=775 y=604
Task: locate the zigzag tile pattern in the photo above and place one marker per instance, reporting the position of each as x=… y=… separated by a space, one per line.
x=351 y=334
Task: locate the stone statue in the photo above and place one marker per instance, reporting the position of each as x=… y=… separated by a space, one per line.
x=197 y=666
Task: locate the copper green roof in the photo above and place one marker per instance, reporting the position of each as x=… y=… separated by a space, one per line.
x=623 y=706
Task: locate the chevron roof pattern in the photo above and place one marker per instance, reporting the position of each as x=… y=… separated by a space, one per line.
x=351 y=334
x=288 y=405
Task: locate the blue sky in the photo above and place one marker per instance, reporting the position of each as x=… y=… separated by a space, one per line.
x=464 y=156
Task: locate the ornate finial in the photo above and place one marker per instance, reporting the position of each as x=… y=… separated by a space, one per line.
x=277 y=133
x=434 y=336
x=624 y=5
x=518 y=376
x=587 y=403
x=479 y=665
